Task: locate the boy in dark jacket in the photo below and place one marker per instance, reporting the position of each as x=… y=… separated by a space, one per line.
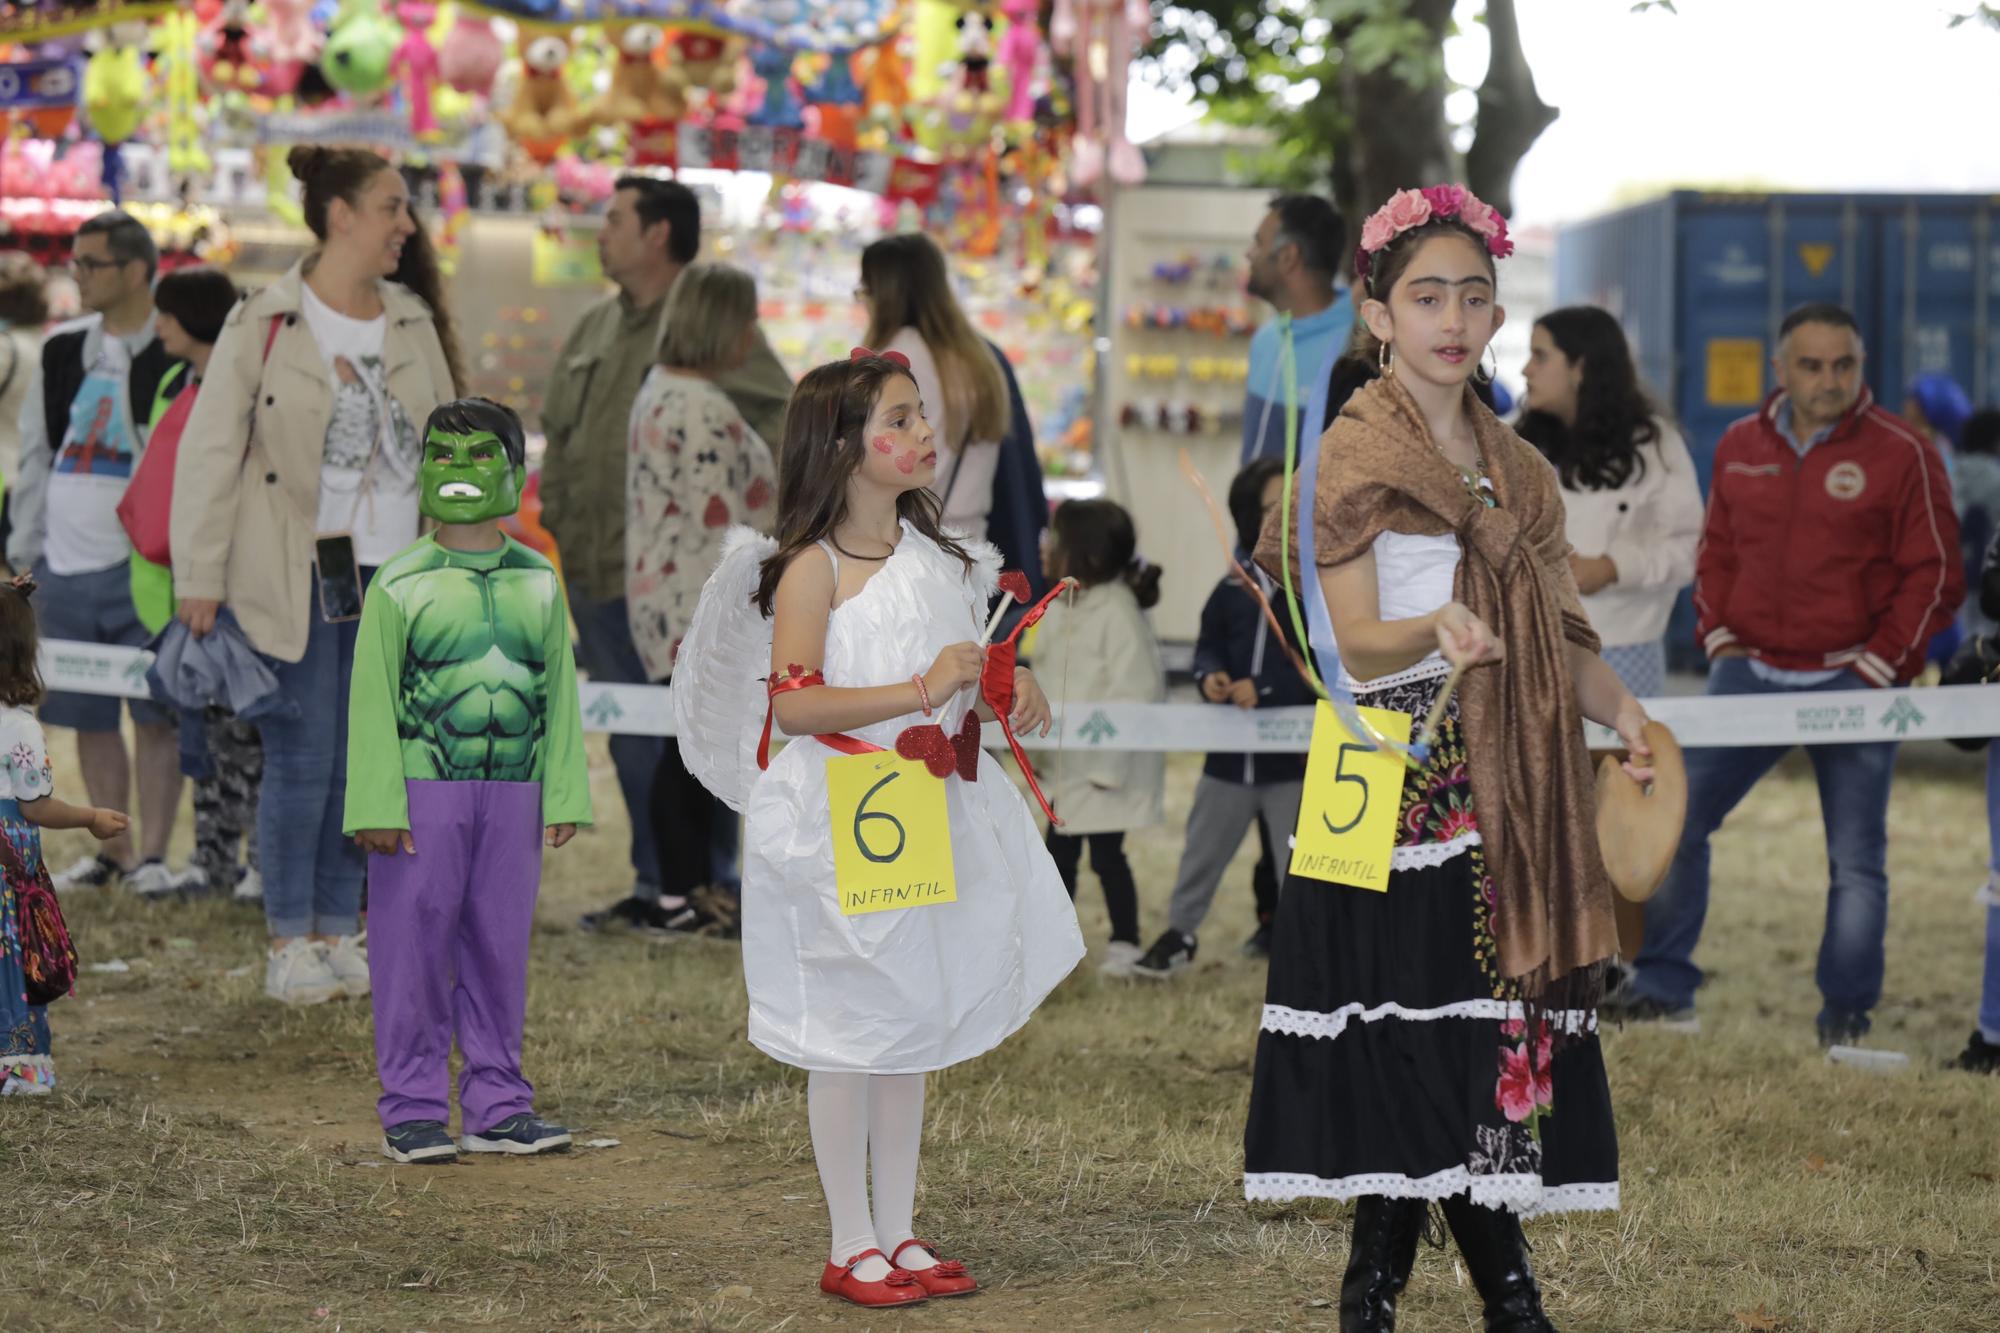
x=1237 y=661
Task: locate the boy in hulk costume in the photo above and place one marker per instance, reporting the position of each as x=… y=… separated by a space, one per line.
x=465 y=755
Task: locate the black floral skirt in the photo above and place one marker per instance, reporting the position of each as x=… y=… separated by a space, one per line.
x=1394 y=1058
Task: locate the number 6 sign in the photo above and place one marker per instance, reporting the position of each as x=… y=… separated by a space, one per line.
x=1347 y=818
x=891 y=834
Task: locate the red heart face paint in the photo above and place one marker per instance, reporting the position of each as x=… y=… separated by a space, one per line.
x=883 y=444
x=907 y=463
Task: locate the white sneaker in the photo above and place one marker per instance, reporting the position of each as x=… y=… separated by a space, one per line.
x=299 y=974
x=249 y=889
x=153 y=880
x=87 y=872
x=1120 y=958
x=349 y=963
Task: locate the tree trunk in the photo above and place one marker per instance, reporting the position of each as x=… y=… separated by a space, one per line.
x=1399 y=139
x=1512 y=114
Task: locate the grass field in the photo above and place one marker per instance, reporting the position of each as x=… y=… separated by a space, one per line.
x=210 y=1161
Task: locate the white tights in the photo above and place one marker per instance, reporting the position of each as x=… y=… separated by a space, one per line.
x=857 y=1119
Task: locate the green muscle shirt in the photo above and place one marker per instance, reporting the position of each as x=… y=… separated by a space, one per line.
x=463 y=673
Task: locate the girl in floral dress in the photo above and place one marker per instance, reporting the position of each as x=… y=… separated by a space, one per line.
x=1438 y=1041
x=27 y=805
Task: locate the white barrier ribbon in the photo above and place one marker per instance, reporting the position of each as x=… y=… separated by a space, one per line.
x=1698 y=721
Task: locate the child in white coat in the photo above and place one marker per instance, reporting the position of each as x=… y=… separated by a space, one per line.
x=1097 y=647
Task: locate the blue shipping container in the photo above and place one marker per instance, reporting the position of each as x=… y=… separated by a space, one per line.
x=1701 y=282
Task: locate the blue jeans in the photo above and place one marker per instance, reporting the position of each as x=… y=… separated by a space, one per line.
x=605 y=652
x=312 y=872
x=1989 y=996
x=1854 y=806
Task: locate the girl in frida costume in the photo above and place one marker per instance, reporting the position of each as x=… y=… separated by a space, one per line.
x=869 y=618
x=465 y=758
x=1438 y=1042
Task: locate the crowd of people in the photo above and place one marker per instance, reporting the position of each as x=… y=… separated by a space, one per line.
x=330 y=495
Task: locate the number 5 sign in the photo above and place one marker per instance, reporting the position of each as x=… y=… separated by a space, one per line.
x=1347 y=818
x=891 y=834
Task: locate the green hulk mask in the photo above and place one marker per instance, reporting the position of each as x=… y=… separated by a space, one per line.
x=467 y=478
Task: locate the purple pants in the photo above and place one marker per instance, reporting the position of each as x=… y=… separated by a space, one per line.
x=448 y=952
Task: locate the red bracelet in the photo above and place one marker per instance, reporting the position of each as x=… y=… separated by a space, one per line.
x=923 y=693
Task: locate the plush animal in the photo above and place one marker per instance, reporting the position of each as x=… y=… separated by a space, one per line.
x=975 y=52
x=544 y=111
x=779 y=108
x=702 y=60
x=290 y=43
x=114 y=93
x=1022 y=52
x=360 y=50
x=472 y=55
x=1102 y=35
x=229 y=64
x=417 y=61
x=639 y=89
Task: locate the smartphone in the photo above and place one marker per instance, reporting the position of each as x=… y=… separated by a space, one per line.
x=339 y=576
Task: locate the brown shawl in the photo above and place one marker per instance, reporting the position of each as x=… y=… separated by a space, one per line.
x=1531 y=774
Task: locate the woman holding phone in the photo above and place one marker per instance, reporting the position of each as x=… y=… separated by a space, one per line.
x=297 y=476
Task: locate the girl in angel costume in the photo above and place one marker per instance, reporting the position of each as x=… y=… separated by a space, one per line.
x=867 y=617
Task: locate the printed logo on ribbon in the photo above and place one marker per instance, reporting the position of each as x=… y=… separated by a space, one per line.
x=1846 y=481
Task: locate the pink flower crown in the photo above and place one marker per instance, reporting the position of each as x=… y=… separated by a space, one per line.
x=1413 y=208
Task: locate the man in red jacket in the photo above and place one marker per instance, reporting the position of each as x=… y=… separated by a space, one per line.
x=1829 y=559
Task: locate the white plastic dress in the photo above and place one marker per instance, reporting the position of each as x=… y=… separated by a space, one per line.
x=892 y=992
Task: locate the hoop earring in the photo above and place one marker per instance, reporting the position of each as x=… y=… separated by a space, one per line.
x=1481 y=373
x=1384 y=361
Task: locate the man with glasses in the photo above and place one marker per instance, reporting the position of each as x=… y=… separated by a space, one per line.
x=83 y=427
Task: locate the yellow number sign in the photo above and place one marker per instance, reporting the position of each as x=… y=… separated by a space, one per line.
x=1347 y=819
x=891 y=834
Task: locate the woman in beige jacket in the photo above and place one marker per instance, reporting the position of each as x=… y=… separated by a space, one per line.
x=308 y=428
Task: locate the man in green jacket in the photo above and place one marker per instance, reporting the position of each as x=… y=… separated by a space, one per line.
x=652 y=231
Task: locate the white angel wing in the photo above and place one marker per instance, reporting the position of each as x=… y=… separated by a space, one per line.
x=719 y=682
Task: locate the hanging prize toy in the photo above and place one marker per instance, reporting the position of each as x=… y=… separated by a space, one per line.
x=360 y=51
x=779 y=107
x=114 y=95
x=638 y=92
x=1022 y=54
x=1099 y=36
x=471 y=56
x=417 y=61
x=290 y=42
x=178 y=42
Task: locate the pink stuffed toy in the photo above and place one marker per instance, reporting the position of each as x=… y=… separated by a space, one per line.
x=291 y=42
x=1021 y=53
x=417 y=59
x=472 y=56
x=1112 y=28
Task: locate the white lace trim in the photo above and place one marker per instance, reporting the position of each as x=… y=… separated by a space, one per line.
x=1430 y=855
x=1428 y=669
x=1518 y=1192
x=1314 y=1023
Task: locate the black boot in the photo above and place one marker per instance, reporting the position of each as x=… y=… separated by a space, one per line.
x=1378 y=1266
x=1496 y=1255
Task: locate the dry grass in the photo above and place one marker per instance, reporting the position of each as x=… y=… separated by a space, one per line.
x=210 y=1161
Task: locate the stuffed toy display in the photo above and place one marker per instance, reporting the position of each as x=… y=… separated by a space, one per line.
x=417 y=61
x=1102 y=35
x=472 y=55
x=639 y=90
x=544 y=111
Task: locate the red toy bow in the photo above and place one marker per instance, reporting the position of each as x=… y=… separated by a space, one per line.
x=863 y=353
x=996 y=681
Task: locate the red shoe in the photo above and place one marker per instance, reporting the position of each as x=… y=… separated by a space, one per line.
x=899 y=1287
x=946 y=1277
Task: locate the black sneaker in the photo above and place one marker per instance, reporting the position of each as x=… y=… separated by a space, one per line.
x=1259 y=944
x=523 y=1134
x=1842 y=1030
x=419 y=1141
x=627 y=913
x=1171 y=953
x=1641 y=1009
x=1980 y=1056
